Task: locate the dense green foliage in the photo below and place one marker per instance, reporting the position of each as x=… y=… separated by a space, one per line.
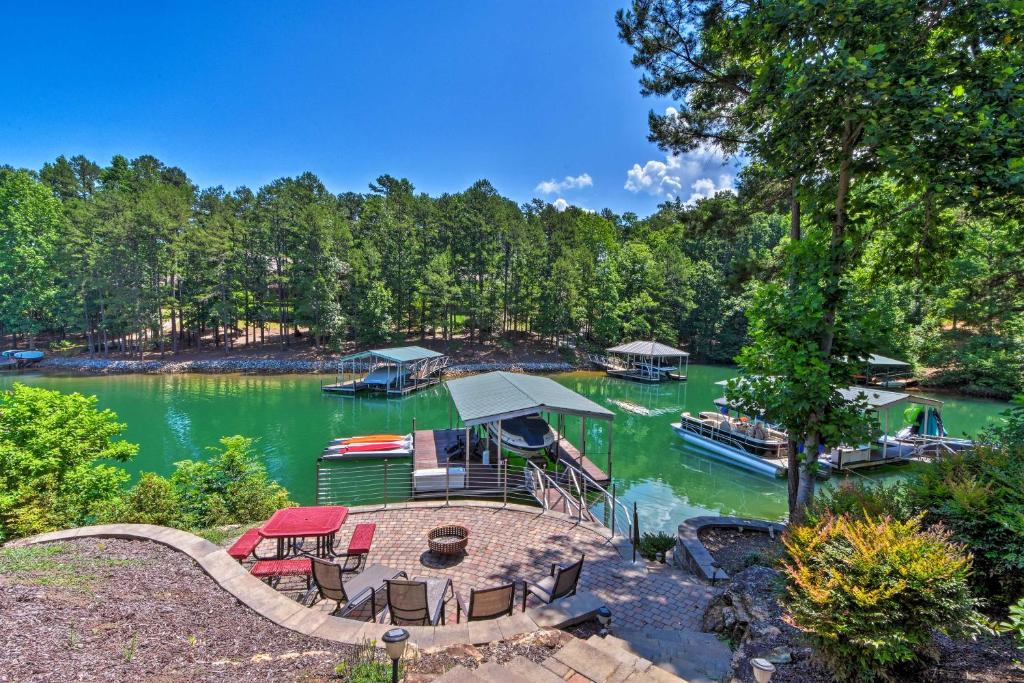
x=232 y=487
x=150 y=262
x=979 y=497
x=894 y=132
x=50 y=445
x=869 y=592
x=1014 y=624
x=856 y=499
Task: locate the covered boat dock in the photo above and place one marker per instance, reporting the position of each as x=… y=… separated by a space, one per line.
x=395 y=371
x=644 y=361
x=887 y=373
x=490 y=398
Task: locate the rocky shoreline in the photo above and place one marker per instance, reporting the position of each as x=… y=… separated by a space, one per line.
x=257 y=366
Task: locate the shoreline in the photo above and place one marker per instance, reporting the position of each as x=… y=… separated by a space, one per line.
x=259 y=366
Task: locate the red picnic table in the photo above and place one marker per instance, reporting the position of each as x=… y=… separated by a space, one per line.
x=288 y=525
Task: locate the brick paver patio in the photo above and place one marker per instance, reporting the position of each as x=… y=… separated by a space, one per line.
x=513 y=545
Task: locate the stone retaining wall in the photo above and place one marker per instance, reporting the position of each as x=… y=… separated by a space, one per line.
x=691 y=553
x=269 y=366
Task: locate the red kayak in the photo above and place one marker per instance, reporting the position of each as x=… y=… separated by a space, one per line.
x=364 y=447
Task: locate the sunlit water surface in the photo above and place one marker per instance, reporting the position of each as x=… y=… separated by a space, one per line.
x=173 y=417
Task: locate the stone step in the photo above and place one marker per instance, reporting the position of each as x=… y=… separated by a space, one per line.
x=693 y=656
x=534 y=673
x=683 y=636
x=460 y=674
x=604 y=665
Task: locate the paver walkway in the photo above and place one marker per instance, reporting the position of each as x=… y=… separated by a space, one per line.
x=510 y=544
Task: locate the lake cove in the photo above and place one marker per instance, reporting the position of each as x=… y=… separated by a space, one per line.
x=174 y=417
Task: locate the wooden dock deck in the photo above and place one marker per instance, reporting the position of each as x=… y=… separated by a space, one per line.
x=569 y=455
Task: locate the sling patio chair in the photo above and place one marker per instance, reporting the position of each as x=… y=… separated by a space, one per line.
x=419 y=602
x=559 y=584
x=486 y=603
x=361 y=597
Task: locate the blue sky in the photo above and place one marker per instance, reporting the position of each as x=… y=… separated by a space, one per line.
x=537 y=97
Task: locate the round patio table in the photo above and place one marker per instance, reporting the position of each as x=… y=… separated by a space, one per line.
x=288 y=525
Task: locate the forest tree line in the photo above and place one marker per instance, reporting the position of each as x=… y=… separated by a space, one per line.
x=133 y=257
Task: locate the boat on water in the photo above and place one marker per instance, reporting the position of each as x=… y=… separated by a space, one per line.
x=758 y=446
x=752 y=445
x=526 y=435
x=19 y=359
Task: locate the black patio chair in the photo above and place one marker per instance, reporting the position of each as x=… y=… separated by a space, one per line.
x=487 y=603
x=360 y=597
x=560 y=583
x=419 y=602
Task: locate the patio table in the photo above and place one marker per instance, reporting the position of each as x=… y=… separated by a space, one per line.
x=288 y=525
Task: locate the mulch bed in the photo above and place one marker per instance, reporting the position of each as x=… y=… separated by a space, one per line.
x=114 y=610
x=735 y=550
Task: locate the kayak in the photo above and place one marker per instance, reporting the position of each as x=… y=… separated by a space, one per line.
x=371 y=438
x=367 y=447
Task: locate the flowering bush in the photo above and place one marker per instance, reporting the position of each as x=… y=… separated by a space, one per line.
x=870 y=591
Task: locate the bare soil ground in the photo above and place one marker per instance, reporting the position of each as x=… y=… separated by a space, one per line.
x=736 y=550
x=111 y=610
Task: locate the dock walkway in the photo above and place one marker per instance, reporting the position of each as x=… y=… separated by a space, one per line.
x=570 y=456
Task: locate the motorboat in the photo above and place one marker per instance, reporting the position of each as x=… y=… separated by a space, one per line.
x=526 y=435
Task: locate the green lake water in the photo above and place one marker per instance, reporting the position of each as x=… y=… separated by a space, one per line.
x=173 y=417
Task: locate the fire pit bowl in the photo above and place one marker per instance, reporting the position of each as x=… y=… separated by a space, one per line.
x=449 y=539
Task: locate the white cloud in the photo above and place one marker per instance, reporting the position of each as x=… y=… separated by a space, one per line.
x=568 y=183
x=705 y=188
x=560 y=204
x=677 y=171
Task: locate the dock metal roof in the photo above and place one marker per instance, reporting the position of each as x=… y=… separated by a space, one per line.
x=648 y=348
x=875 y=359
x=397 y=354
x=877 y=399
x=502 y=395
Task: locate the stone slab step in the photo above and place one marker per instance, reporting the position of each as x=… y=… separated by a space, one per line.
x=684 y=636
x=460 y=674
x=690 y=656
x=604 y=665
x=534 y=673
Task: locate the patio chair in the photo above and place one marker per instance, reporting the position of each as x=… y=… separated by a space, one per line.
x=361 y=597
x=559 y=584
x=419 y=602
x=487 y=603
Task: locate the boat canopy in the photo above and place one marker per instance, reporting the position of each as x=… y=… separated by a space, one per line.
x=877 y=399
x=398 y=354
x=875 y=360
x=494 y=396
x=650 y=349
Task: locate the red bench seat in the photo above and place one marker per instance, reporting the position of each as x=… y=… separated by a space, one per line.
x=272 y=570
x=362 y=538
x=246 y=545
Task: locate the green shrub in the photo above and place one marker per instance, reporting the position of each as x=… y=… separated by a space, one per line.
x=153 y=500
x=979 y=497
x=864 y=499
x=368 y=664
x=652 y=544
x=232 y=487
x=50 y=447
x=870 y=592
x=1014 y=624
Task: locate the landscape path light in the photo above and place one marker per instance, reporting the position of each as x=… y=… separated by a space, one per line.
x=395 y=642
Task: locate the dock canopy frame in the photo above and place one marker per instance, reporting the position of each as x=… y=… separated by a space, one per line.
x=644 y=359
x=496 y=396
x=396 y=370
